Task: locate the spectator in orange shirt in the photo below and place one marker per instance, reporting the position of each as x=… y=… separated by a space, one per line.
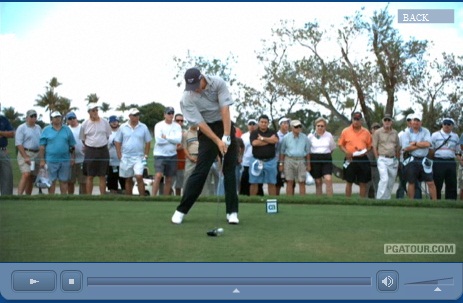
x=355 y=141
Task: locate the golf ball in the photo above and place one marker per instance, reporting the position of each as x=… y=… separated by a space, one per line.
x=220 y=230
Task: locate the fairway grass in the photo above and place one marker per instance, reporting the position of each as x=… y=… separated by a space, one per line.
x=56 y=230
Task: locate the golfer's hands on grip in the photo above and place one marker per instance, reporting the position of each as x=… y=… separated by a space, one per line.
x=224 y=144
x=222 y=147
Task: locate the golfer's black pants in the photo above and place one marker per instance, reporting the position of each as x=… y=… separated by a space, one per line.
x=445 y=170
x=207 y=153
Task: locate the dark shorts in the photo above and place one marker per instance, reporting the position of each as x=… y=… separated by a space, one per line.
x=358 y=171
x=166 y=165
x=320 y=165
x=96 y=161
x=414 y=171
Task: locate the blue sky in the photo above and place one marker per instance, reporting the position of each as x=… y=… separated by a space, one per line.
x=123 y=51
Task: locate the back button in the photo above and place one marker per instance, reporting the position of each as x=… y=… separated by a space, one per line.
x=43 y=280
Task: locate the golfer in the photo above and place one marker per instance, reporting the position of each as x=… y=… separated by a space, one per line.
x=206 y=102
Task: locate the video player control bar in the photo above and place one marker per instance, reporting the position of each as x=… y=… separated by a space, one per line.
x=146 y=281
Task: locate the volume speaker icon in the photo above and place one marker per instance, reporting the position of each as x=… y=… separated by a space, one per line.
x=388 y=281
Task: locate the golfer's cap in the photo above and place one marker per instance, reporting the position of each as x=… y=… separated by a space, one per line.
x=296 y=123
x=251 y=121
x=427 y=165
x=31 y=112
x=91 y=106
x=409 y=117
x=133 y=111
x=169 y=110
x=192 y=79
x=448 y=120
x=55 y=114
x=256 y=169
x=113 y=119
x=387 y=116
x=71 y=115
x=357 y=115
x=376 y=125
x=284 y=119
x=417 y=116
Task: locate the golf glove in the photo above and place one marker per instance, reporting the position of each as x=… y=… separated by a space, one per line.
x=226 y=140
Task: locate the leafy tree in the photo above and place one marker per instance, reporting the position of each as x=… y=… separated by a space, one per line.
x=396 y=59
x=151 y=114
x=435 y=86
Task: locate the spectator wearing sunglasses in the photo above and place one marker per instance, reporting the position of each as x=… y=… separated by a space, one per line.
x=417 y=167
x=295 y=158
x=402 y=188
x=133 y=142
x=27 y=142
x=445 y=144
x=77 y=170
x=386 y=146
x=321 y=162
x=94 y=133
x=355 y=141
x=167 y=135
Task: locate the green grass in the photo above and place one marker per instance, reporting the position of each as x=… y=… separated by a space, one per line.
x=92 y=229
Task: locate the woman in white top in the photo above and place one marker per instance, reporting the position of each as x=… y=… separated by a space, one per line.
x=321 y=163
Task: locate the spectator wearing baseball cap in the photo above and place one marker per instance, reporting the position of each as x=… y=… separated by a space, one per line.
x=95 y=133
x=355 y=141
x=386 y=146
x=295 y=158
x=417 y=142
x=27 y=138
x=445 y=148
x=133 y=141
x=246 y=163
x=77 y=171
x=113 y=180
x=167 y=135
x=57 y=152
x=400 y=193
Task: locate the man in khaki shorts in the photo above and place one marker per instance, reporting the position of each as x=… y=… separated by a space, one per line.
x=27 y=141
x=295 y=158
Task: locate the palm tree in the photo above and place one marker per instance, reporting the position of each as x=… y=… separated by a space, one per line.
x=92 y=98
x=64 y=105
x=49 y=99
x=12 y=116
x=105 y=107
x=122 y=107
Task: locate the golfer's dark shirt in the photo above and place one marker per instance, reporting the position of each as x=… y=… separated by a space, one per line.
x=263 y=152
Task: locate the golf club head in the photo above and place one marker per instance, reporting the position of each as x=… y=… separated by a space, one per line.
x=215 y=232
x=212 y=232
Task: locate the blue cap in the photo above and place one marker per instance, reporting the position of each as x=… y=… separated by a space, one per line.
x=113 y=119
x=71 y=115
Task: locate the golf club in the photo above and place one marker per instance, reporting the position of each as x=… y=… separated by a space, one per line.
x=216 y=231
